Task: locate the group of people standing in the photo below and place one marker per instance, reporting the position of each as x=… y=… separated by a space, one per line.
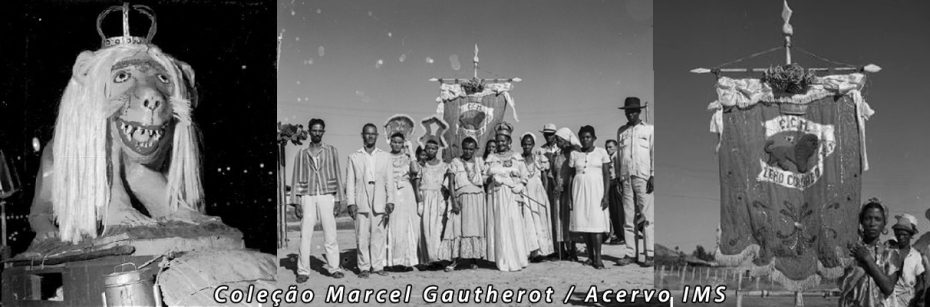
x=509 y=207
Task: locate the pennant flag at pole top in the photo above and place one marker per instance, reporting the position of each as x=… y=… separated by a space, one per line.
x=786 y=13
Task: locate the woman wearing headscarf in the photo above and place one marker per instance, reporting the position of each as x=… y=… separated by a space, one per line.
x=537 y=200
x=870 y=280
x=561 y=177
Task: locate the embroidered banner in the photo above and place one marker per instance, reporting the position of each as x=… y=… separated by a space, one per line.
x=795 y=149
x=471 y=115
x=790 y=181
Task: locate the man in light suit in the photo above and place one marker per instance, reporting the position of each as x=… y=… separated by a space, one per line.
x=370 y=190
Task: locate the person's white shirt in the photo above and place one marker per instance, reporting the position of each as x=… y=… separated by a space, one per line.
x=904 y=289
x=370 y=163
x=635 y=148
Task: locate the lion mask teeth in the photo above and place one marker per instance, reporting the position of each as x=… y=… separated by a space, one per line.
x=142 y=137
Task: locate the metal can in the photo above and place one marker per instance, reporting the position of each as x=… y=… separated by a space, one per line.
x=128 y=289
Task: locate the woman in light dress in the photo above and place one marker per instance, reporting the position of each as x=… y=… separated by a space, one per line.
x=469 y=210
x=434 y=194
x=561 y=177
x=507 y=175
x=589 y=194
x=537 y=200
x=404 y=226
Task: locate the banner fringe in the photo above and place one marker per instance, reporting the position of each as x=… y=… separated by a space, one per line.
x=737 y=260
x=796 y=285
x=743 y=261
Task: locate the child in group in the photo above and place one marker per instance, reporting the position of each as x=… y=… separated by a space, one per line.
x=490 y=230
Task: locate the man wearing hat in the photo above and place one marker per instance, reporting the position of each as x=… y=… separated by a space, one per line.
x=548 y=133
x=911 y=281
x=634 y=167
x=550 y=149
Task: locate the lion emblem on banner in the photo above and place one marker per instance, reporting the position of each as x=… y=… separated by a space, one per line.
x=791 y=150
x=474 y=118
x=794 y=151
x=124 y=139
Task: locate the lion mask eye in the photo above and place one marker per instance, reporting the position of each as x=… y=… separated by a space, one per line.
x=163 y=78
x=121 y=77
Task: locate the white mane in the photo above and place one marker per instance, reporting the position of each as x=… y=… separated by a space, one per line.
x=81 y=185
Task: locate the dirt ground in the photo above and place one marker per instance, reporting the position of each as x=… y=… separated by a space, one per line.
x=559 y=275
x=809 y=301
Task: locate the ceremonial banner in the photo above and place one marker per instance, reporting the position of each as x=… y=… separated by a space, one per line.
x=471 y=114
x=790 y=176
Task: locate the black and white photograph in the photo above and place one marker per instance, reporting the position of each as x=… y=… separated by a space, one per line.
x=474 y=147
x=795 y=151
x=133 y=166
x=485 y=152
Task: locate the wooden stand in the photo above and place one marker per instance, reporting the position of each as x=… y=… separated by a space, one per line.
x=35 y=277
x=69 y=284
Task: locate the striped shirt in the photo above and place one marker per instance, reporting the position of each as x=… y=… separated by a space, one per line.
x=319 y=176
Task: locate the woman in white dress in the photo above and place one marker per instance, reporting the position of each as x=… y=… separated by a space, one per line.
x=404 y=226
x=590 y=199
x=537 y=198
x=433 y=191
x=507 y=174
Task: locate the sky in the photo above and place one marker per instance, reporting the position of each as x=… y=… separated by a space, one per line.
x=691 y=34
x=359 y=61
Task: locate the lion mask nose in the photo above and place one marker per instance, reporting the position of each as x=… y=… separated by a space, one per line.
x=149 y=98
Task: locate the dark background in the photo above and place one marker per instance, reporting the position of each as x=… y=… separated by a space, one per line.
x=231 y=47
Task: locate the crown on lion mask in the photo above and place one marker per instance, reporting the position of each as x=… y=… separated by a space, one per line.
x=126 y=38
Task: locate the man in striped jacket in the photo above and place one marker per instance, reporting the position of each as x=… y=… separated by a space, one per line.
x=316 y=188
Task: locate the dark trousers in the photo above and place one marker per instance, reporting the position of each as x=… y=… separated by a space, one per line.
x=615 y=205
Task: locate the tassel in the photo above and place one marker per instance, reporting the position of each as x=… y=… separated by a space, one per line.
x=789 y=284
